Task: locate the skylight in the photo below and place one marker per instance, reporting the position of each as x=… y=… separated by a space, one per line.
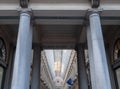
x=58 y=61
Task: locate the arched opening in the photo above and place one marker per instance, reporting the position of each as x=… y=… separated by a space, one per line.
x=116 y=62
x=3 y=62
x=62 y=64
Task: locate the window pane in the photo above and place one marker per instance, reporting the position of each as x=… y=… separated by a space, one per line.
x=118 y=76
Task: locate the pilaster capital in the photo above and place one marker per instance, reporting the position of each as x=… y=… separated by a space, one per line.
x=80 y=45
x=37 y=47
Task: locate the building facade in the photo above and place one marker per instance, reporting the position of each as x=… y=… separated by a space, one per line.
x=89 y=27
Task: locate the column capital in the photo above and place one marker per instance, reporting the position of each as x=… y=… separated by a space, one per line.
x=92 y=12
x=25 y=11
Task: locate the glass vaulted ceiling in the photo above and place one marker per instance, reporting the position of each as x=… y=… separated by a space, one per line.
x=58 y=61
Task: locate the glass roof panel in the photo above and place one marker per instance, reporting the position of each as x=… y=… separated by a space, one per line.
x=65 y=61
x=58 y=61
x=50 y=59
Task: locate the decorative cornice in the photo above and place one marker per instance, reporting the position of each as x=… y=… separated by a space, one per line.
x=24 y=3
x=95 y=3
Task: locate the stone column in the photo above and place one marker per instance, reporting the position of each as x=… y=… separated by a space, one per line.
x=82 y=76
x=100 y=78
x=21 y=70
x=35 y=83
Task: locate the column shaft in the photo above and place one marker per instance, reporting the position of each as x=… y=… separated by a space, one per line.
x=82 y=76
x=21 y=71
x=35 y=83
x=98 y=64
